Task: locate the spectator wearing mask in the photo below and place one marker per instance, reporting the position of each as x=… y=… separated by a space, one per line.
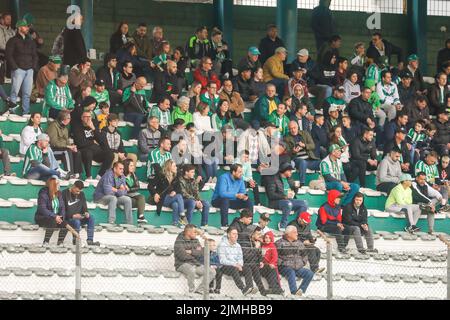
x=47 y=73
x=274 y=70
x=269 y=44
x=389 y=172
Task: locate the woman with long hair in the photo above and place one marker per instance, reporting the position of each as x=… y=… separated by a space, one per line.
x=194 y=94
x=162 y=192
x=119 y=38
x=137 y=199
x=222 y=117
x=51 y=211
x=30 y=132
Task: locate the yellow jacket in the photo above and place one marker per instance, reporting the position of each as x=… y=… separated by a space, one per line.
x=274 y=69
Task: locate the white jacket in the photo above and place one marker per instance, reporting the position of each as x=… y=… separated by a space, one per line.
x=27 y=138
x=263 y=145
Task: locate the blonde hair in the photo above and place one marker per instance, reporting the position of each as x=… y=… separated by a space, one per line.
x=167 y=171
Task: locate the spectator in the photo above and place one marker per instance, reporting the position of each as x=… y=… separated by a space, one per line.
x=354 y=219
x=416 y=136
x=330 y=218
x=30 y=132
x=157 y=40
x=182 y=61
x=389 y=98
x=419 y=111
x=351 y=87
x=133 y=186
x=253 y=261
x=337 y=101
x=22 y=60
x=144 y=49
x=429 y=167
x=442 y=57
x=329 y=49
x=220 y=54
x=112 y=191
x=359 y=58
x=349 y=131
x=6 y=30
x=266 y=104
x=324 y=74
x=439 y=93
x=205 y=75
x=88 y=140
x=332 y=171
x=301 y=116
x=443 y=180
x=182 y=111
x=376 y=67
x=166 y=84
x=441 y=142
x=246 y=164
x=75 y=51
x=57 y=95
x=87 y=104
x=270 y=260
x=100 y=93
x=258 y=85
x=254 y=140
x=77 y=213
x=232 y=261
x=413 y=67
x=195 y=95
x=336 y=137
x=7 y=100
x=243 y=86
x=47 y=73
x=360 y=110
x=102 y=118
x=51 y=211
x=112 y=141
x=302 y=224
x=251 y=61
x=274 y=70
x=333 y=118
x=162 y=113
x=230 y=192
x=126 y=78
x=341 y=71
x=320 y=136
x=406 y=90
x=110 y=76
x=381 y=47
x=222 y=117
x=301 y=148
x=292 y=257
x=390 y=128
x=199 y=47
x=282 y=191
x=4 y=155
x=119 y=38
x=81 y=75
x=389 y=171
x=280 y=120
x=129 y=53
x=363 y=156
x=297 y=79
x=63 y=150
x=233 y=98
x=270 y=43
x=149 y=138
x=189 y=189
x=188 y=253
x=399 y=141
x=322 y=23
x=202 y=120
x=136 y=105
x=400 y=200
x=158 y=157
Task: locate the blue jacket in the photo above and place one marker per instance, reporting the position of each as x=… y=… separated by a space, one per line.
x=45 y=208
x=106 y=183
x=227 y=187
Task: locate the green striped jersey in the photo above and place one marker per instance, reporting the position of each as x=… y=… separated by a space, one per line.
x=431 y=171
x=55 y=205
x=416 y=137
x=156 y=157
x=33 y=154
x=333 y=168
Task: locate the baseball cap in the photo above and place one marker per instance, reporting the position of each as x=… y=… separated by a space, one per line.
x=405 y=177
x=22 y=23
x=406 y=74
x=334 y=147
x=413 y=57
x=285 y=167
x=333 y=108
x=99 y=82
x=265 y=217
x=55 y=59
x=340 y=88
x=298 y=68
x=43 y=137
x=305 y=216
x=401 y=130
x=303 y=53
x=281 y=50
x=254 y=51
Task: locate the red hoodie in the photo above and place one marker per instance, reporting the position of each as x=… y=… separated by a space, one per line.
x=270 y=252
x=329 y=212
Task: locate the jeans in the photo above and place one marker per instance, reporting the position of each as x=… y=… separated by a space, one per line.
x=137 y=119
x=95 y=152
x=354 y=188
x=41 y=172
x=90 y=222
x=189 y=204
x=226 y=204
x=177 y=205
x=190 y=271
x=210 y=166
x=357 y=232
x=286 y=206
x=292 y=274
x=3 y=94
x=313 y=257
x=335 y=231
x=302 y=165
x=113 y=202
x=22 y=79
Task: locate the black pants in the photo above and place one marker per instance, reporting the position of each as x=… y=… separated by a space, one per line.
x=252 y=272
x=386 y=187
x=313 y=257
x=359 y=168
x=50 y=225
x=96 y=153
x=272 y=279
x=229 y=271
x=255 y=193
x=71 y=160
x=335 y=231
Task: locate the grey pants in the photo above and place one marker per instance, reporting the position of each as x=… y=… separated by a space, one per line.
x=4 y=155
x=412 y=212
x=444 y=193
x=113 y=202
x=390 y=110
x=381 y=115
x=357 y=232
x=190 y=271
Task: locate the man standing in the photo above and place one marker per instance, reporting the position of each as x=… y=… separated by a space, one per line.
x=322 y=23
x=363 y=156
x=143 y=46
x=77 y=213
x=166 y=84
x=22 y=60
x=270 y=43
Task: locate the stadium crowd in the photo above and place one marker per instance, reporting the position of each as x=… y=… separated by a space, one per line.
x=332 y=114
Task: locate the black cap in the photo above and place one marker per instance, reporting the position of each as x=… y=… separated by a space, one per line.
x=265 y=217
x=245 y=68
x=285 y=167
x=99 y=82
x=405 y=74
x=401 y=130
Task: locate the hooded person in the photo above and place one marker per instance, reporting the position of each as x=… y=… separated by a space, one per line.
x=300 y=97
x=270 y=261
x=330 y=218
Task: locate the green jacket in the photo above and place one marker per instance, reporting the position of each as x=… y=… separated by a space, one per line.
x=400 y=196
x=261 y=109
x=188 y=189
x=178 y=114
x=101 y=97
x=58 y=98
x=59 y=135
x=281 y=122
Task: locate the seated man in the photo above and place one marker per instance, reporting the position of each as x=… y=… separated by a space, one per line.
x=265 y=105
x=4 y=155
x=204 y=74
x=330 y=219
x=332 y=171
x=303 y=225
x=159 y=156
x=354 y=218
x=110 y=77
x=111 y=190
x=389 y=171
x=292 y=255
x=429 y=166
x=149 y=138
x=81 y=75
x=274 y=70
x=281 y=191
x=166 y=84
x=319 y=134
x=399 y=142
x=37 y=163
x=280 y=120
x=57 y=95
x=162 y=113
x=100 y=93
x=333 y=119
x=363 y=156
x=388 y=92
x=243 y=85
x=188 y=251
x=136 y=105
x=231 y=193
x=47 y=73
x=77 y=213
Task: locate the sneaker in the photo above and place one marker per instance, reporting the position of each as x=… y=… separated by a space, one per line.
x=280 y=228
x=431 y=232
x=343 y=250
x=372 y=250
x=319 y=270
x=409 y=230
x=183 y=221
x=363 y=251
x=93 y=243
x=445 y=209
x=299 y=293
x=247 y=291
x=199 y=291
x=216 y=291
x=254 y=291
x=415 y=228
x=45 y=244
x=214 y=180
x=142 y=220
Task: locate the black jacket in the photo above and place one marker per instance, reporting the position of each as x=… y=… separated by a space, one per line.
x=390 y=50
x=244 y=88
x=322 y=23
x=74 y=47
x=443 y=133
x=116 y=42
x=351 y=217
x=267 y=48
x=442 y=57
x=407 y=95
x=324 y=74
x=420 y=193
x=304 y=232
x=21 y=53
x=320 y=137
x=182 y=245
x=275 y=189
x=360 y=111
x=165 y=84
x=351 y=133
x=84 y=137
x=74 y=204
x=361 y=150
x=390 y=128
x=103 y=73
x=434 y=96
x=406 y=154
x=244 y=233
x=159 y=185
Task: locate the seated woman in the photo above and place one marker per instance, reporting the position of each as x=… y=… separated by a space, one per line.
x=137 y=199
x=222 y=117
x=51 y=212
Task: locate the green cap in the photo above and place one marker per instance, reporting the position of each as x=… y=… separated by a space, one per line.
x=21 y=23
x=413 y=57
x=369 y=83
x=334 y=147
x=55 y=59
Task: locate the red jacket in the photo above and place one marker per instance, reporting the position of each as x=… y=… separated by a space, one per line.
x=203 y=78
x=270 y=252
x=329 y=212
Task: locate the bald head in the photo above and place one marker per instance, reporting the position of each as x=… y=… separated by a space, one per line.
x=141 y=83
x=172 y=67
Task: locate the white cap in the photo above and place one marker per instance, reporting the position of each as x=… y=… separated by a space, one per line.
x=303 y=53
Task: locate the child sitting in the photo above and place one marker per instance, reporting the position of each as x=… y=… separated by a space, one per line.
x=103 y=116
x=415 y=136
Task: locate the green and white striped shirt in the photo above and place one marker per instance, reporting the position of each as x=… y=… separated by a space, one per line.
x=165 y=118
x=416 y=137
x=156 y=157
x=33 y=154
x=55 y=205
x=431 y=171
x=333 y=168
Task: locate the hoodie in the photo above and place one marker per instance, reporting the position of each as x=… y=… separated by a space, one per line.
x=330 y=213
x=179 y=114
x=270 y=252
x=351 y=91
x=230 y=254
x=112 y=140
x=389 y=171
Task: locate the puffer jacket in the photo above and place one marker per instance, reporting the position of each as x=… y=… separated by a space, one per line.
x=291 y=254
